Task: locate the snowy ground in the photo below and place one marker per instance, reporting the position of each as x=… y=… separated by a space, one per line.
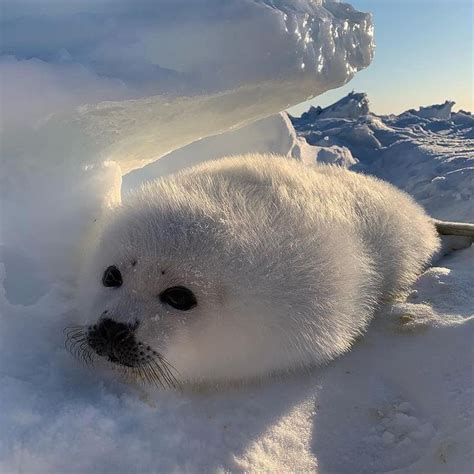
x=400 y=401
x=428 y=153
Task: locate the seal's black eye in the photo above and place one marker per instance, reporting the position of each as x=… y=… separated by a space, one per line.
x=112 y=277
x=179 y=297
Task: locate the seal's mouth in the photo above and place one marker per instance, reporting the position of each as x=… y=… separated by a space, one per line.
x=116 y=343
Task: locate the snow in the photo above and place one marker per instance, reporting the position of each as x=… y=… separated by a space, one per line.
x=93 y=90
x=399 y=401
x=429 y=156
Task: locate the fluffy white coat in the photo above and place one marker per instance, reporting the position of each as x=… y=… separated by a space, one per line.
x=287 y=262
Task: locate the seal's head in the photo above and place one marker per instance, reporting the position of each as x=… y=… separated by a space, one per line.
x=200 y=271
x=231 y=270
x=171 y=281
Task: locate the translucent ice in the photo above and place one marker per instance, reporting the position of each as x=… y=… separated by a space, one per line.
x=94 y=89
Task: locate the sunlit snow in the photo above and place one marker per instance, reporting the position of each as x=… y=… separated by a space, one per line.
x=92 y=91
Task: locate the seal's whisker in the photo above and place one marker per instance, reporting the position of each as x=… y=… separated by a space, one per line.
x=137 y=372
x=85 y=342
x=160 y=370
x=75 y=335
x=161 y=380
x=74 y=340
x=167 y=363
x=140 y=371
x=153 y=375
x=88 y=359
x=127 y=371
x=91 y=359
x=70 y=340
x=169 y=369
x=154 y=379
x=78 y=347
x=71 y=345
x=73 y=328
x=172 y=382
x=165 y=374
x=82 y=352
x=148 y=375
x=157 y=375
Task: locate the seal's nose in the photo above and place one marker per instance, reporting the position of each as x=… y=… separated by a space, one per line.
x=109 y=337
x=111 y=331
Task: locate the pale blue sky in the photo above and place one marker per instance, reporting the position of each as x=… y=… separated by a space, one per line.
x=424 y=55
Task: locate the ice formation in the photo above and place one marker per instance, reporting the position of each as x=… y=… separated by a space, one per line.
x=93 y=90
x=392 y=147
x=228 y=63
x=438 y=111
x=274 y=134
x=353 y=106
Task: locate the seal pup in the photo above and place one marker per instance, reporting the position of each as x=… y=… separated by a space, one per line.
x=246 y=266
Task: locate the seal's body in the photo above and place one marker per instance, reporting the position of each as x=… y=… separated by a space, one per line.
x=251 y=265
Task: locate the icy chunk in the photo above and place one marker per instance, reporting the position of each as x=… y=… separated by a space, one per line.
x=352 y=106
x=273 y=135
x=127 y=82
x=336 y=155
x=437 y=111
x=430 y=157
x=193 y=69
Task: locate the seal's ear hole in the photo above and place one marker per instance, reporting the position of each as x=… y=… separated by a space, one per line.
x=179 y=297
x=112 y=277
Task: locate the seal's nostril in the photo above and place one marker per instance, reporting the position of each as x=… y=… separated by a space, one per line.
x=134 y=326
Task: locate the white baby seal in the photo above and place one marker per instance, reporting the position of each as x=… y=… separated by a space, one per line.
x=247 y=266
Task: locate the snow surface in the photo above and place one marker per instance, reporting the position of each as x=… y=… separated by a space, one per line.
x=400 y=401
x=93 y=89
x=428 y=153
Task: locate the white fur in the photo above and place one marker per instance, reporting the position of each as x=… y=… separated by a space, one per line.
x=287 y=262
